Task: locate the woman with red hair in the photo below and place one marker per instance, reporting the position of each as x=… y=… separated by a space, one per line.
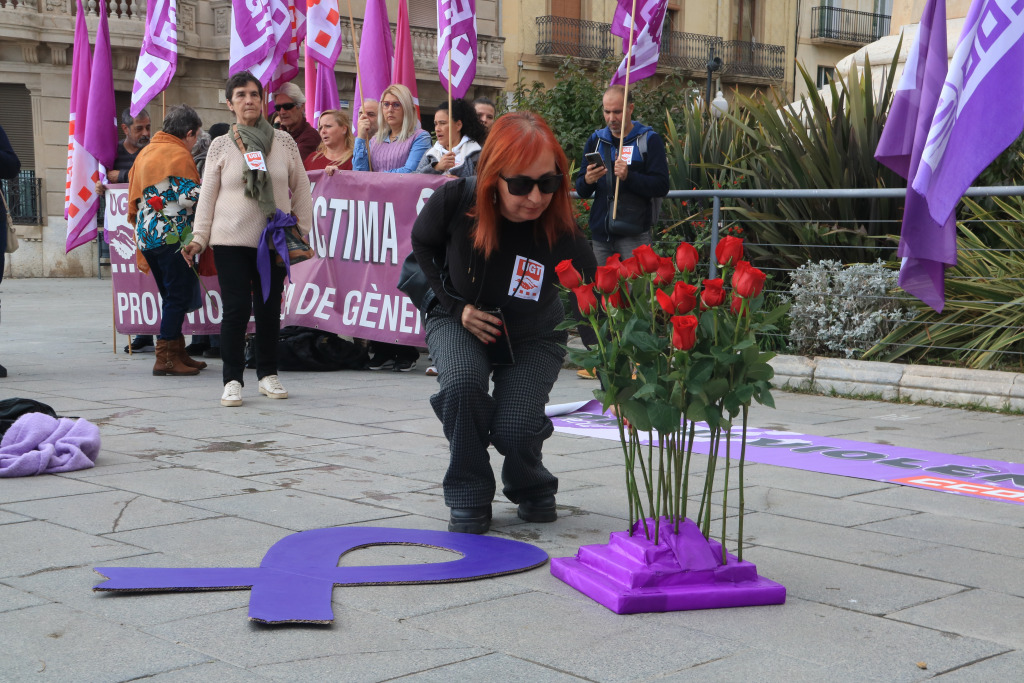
x=499 y=237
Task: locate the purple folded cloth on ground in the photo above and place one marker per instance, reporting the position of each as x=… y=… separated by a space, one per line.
x=39 y=444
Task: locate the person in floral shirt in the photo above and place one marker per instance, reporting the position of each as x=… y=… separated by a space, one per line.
x=163 y=188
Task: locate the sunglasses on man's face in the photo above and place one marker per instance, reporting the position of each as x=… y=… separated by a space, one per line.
x=521 y=185
x=285 y=106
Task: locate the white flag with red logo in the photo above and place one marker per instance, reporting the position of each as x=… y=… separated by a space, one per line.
x=323 y=31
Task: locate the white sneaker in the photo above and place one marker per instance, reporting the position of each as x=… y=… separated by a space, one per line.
x=270 y=386
x=432 y=371
x=232 y=396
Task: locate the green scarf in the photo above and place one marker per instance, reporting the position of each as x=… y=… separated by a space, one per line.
x=258 y=184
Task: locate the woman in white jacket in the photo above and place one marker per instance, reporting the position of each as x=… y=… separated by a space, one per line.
x=460 y=136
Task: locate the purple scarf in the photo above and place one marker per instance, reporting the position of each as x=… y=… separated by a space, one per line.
x=273 y=233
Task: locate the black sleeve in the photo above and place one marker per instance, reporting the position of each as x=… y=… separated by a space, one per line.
x=653 y=181
x=10 y=165
x=583 y=189
x=431 y=235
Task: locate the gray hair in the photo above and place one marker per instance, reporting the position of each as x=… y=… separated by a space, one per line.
x=127 y=119
x=202 y=145
x=181 y=120
x=292 y=92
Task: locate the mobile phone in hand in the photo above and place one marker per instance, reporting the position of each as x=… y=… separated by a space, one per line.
x=595 y=158
x=499 y=352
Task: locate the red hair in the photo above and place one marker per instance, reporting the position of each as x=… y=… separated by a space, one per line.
x=514 y=143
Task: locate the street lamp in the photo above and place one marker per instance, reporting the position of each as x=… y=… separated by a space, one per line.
x=714 y=64
x=719 y=105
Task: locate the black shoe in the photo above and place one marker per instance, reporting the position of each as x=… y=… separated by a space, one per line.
x=141 y=344
x=381 y=362
x=470 y=520
x=212 y=352
x=3 y=371
x=404 y=364
x=196 y=348
x=539 y=509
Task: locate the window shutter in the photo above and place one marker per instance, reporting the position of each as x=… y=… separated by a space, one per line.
x=16 y=118
x=423 y=13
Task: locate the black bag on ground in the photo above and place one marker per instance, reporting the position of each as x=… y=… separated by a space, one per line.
x=304 y=348
x=13 y=408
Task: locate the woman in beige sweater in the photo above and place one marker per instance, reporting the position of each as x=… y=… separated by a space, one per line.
x=241 y=192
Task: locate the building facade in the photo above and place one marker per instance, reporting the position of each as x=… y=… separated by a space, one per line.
x=36 y=40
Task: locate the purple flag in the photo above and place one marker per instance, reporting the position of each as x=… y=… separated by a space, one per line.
x=927 y=245
x=288 y=67
x=159 y=56
x=376 y=51
x=260 y=36
x=81 y=68
x=456 y=44
x=325 y=92
x=101 y=126
x=650 y=20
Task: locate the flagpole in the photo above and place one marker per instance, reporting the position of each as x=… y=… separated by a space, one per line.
x=450 y=119
x=625 y=105
x=359 y=76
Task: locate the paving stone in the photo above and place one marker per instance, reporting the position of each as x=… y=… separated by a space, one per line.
x=809 y=482
x=859 y=645
x=204 y=673
x=844 y=512
x=230 y=637
x=73 y=588
x=220 y=542
x=180 y=484
x=13 y=599
x=403 y=442
x=950 y=530
x=150 y=444
x=937 y=502
x=7 y=517
x=962 y=566
x=845 y=585
x=1005 y=667
x=344 y=482
x=236 y=463
x=42 y=546
x=763 y=667
x=58 y=643
x=295 y=510
x=43 y=486
x=103 y=513
x=976 y=613
x=493 y=667
x=368 y=667
x=510 y=626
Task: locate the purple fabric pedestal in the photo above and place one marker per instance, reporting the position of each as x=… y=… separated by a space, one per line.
x=631 y=574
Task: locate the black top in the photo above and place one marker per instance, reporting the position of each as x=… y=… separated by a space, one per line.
x=440 y=233
x=124 y=161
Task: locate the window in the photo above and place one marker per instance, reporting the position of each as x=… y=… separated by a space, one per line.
x=825 y=74
x=16 y=115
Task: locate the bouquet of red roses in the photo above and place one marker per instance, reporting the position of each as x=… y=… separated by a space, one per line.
x=678 y=363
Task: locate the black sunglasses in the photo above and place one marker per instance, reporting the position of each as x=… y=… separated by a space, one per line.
x=285 y=106
x=521 y=185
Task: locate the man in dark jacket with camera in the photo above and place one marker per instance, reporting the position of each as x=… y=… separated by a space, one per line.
x=642 y=172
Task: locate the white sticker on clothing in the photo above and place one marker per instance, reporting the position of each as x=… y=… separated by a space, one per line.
x=255 y=161
x=627 y=154
x=527 y=277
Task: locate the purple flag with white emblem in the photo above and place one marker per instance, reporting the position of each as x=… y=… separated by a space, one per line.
x=260 y=36
x=927 y=246
x=159 y=56
x=456 y=44
x=650 y=19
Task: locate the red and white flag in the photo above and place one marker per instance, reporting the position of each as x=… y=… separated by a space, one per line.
x=323 y=44
x=288 y=67
x=81 y=70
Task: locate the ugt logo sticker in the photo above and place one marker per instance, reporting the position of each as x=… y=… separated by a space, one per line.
x=295 y=578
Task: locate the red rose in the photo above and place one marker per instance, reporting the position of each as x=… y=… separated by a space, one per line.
x=607 y=278
x=729 y=251
x=614 y=301
x=666 y=302
x=684 y=332
x=713 y=294
x=747 y=281
x=613 y=260
x=666 y=271
x=686 y=257
x=684 y=296
x=630 y=268
x=567 y=275
x=585 y=299
x=156 y=203
x=649 y=261
x=736 y=305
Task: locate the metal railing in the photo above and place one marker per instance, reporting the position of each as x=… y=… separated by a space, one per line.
x=25 y=198
x=848 y=26
x=566 y=37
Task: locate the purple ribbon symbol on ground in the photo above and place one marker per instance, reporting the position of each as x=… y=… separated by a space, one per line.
x=295 y=578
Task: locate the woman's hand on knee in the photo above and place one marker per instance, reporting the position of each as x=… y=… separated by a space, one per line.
x=483 y=326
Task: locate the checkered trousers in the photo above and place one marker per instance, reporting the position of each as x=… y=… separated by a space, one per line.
x=511 y=418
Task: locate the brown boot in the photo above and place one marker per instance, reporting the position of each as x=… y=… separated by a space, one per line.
x=185 y=358
x=168 y=362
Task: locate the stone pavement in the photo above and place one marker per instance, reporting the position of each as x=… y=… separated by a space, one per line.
x=885 y=582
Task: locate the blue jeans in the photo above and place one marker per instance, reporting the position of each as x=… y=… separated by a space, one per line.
x=177 y=284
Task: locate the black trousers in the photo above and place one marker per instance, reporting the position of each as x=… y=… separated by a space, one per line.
x=242 y=293
x=512 y=419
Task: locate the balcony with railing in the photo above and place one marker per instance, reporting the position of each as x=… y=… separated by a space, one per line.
x=24 y=198
x=689 y=52
x=849 y=27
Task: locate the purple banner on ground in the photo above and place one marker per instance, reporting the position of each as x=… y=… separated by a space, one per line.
x=962 y=475
x=361 y=227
